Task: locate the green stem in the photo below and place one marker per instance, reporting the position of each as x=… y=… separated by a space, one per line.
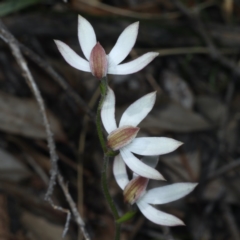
x=105 y=188
x=104 y=178
x=108 y=196
x=103 y=89
x=117 y=231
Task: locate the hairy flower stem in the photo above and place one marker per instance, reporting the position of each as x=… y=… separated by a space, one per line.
x=103 y=89
x=104 y=181
x=117 y=231
x=105 y=188
x=108 y=197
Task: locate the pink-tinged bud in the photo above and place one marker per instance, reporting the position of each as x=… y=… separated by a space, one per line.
x=98 y=61
x=121 y=137
x=135 y=189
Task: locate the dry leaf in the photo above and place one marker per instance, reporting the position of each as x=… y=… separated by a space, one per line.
x=179 y=170
x=211 y=108
x=40 y=228
x=22 y=116
x=177 y=89
x=174 y=117
x=218 y=187
x=11 y=169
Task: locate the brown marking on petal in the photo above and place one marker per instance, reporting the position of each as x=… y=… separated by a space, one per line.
x=135 y=189
x=121 y=137
x=98 y=61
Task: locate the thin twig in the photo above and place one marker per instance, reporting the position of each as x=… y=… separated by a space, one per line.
x=107 y=9
x=37 y=168
x=73 y=206
x=11 y=41
x=223 y=170
x=191 y=50
x=230 y=221
x=66 y=227
x=198 y=26
x=58 y=78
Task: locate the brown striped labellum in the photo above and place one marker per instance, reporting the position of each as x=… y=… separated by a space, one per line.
x=121 y=137
x=135 y=189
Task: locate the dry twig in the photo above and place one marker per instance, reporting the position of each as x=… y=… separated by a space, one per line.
x=12 y=43
x=198 y=26
x=58 y=78
x=10 y=40
x=230 y=222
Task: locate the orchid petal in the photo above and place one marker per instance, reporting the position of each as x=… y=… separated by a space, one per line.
x=168 y=193
x=72 y=58
x=151 y=161
x=86 y=36
x=108 y=112
x=133 y=66
x=137 y=111
x=124 y=44
x=120 y=172
x=139 y=167
x=149 y=146
x=158 y=216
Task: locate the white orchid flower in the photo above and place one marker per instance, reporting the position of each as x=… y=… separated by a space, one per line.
x=122 y=138
x=98 y=62
x=161 y=195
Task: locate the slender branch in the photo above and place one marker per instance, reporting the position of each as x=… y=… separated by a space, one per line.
x=190 y=50
x=11 y=41
x=67 y=211
x=230 y=221
x=73 y=207
x=200 y=29
x=58 y=78
x=121 y=12
x=223 y=170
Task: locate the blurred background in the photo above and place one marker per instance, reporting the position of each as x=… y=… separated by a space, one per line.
x=196 y=77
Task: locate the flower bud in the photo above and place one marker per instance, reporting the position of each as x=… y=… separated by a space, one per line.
x=135 y=189
x=98 y=61
x=121 y=137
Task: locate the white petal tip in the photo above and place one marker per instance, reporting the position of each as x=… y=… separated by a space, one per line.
x=177 y=222
x=60 y=45
x=153 y=174
x=137 y=24
x=180 y=224
x=179 y=144
x=80 y=17
x=160 y=177
x=56 y=41
x=194 y=185
x=154 y=94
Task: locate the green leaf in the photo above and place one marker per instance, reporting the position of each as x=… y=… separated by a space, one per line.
x=127 y=216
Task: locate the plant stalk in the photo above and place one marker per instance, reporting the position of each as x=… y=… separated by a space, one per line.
x=104 y=176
